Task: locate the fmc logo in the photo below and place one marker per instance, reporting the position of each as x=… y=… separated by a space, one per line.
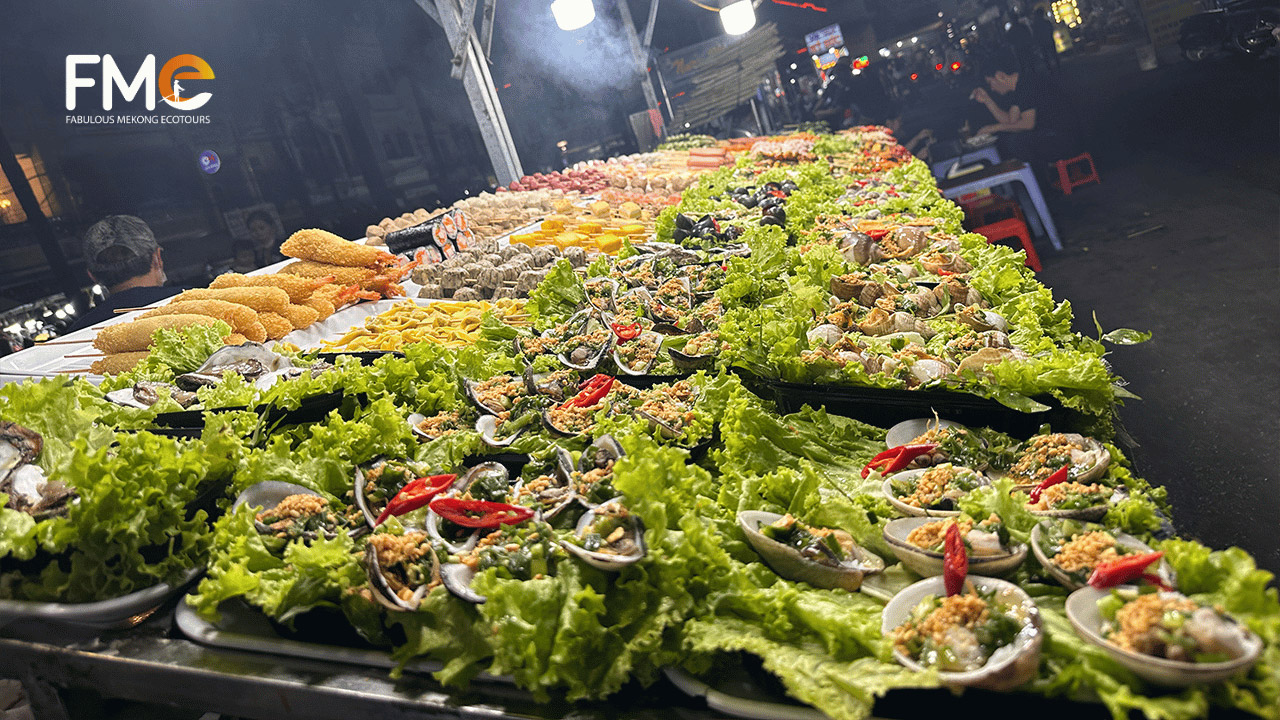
x=179 y=67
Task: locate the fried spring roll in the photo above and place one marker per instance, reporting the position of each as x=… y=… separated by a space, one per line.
x=136 y=335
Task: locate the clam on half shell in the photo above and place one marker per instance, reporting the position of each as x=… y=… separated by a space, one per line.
x=911 y=510
x=1008 y=667
x=1082 y=611
x=1070 y=582
x=609 y=562
x=787 y=562
x=908 y=430
x=927 y=563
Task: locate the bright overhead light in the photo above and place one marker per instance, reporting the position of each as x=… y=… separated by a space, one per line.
x=738 y=17
x=61 y=314
x=686 y=124
x=899 y=43
x=857 y=71
x=793 y=81
x=573 y=14
x=13 y=328
x=915 y=40
x=884 y=52
x=793 y=66
x=69 y=309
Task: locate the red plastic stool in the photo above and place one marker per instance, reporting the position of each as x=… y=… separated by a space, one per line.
x=1075 y=172
x=1012 y=228
x=990 y=209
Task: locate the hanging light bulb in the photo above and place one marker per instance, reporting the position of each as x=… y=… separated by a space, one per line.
x=738 y=17
x=573 y=14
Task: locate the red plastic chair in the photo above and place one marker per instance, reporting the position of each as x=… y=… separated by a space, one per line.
x=1075 y=172
x=990 y=209
x=1012 y=228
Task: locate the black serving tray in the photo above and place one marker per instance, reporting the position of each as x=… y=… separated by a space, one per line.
x=885 y=407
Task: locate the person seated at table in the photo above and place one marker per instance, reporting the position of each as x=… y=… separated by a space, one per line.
x=921 y=141
x=122 y=255
x=1025 y=109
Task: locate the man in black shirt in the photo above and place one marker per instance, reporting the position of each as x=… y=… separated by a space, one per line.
x=121 y=254
x=1028 y=122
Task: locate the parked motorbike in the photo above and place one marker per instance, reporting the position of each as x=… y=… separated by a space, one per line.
x=1241 y=27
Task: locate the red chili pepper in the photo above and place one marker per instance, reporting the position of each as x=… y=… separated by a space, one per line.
x=895 y=458
x=1059 y=476
x=877 y=233
x=716 y=224
x=1126 y=569
x=479 y=513
x=777 y=193
x=946 y=272
x=955 y=562
x=626 y=332
x=592 y=391
x=414 y=495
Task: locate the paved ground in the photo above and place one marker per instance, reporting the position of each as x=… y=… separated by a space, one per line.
x=1193 y=150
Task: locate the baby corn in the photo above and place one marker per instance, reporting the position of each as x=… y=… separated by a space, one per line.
x=322 y=246
x=452 y=324
x=136 y=335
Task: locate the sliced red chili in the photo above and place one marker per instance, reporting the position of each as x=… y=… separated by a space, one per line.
x=592 y=392
x=895 y=458
x=414 y=495
x=1124 y=570
x=479 y=513
x=626 y=331
x=955 y=562
x=877 y=233
x=1059 y=476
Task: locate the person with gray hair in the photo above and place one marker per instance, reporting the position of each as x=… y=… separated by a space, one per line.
x=121 y=254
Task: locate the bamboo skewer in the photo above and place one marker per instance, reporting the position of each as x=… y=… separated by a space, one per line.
x=71 y=372
x=86 y=355
x=63 y=342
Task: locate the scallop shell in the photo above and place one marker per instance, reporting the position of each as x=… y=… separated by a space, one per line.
x=1082 y=611
x=1008 y=667
x=788 y=563
x=927 y=563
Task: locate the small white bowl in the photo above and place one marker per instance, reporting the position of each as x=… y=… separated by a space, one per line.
x=1082 y=611
x=1124 y=540
x=1007 y=668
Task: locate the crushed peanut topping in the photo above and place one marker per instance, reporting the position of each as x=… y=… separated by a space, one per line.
x=965 y=610
x=1137 y=618
x=1055 y=494
x=1086 y=551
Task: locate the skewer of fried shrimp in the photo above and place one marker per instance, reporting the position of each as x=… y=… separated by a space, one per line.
x=261 y=299
x=323 y=246
x=241 y=319
x=334 y=273
x=118 y=362
x=299 y=288
x=136 y=335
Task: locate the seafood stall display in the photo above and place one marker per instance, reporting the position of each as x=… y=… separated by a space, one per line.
x=568 y=464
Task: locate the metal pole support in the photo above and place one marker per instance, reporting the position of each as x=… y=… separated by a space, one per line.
x=476 y=80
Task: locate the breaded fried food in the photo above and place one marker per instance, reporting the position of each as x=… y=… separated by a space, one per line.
x=344 y=295
x=118 y=363
x=276 y=325
x=322 y=246
x=323 y=307
x=242 y=319
x=331 y=273
x=300 y=316
x=298 y=287
x=261 y=299
x=235 y=339
x=136 y=335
